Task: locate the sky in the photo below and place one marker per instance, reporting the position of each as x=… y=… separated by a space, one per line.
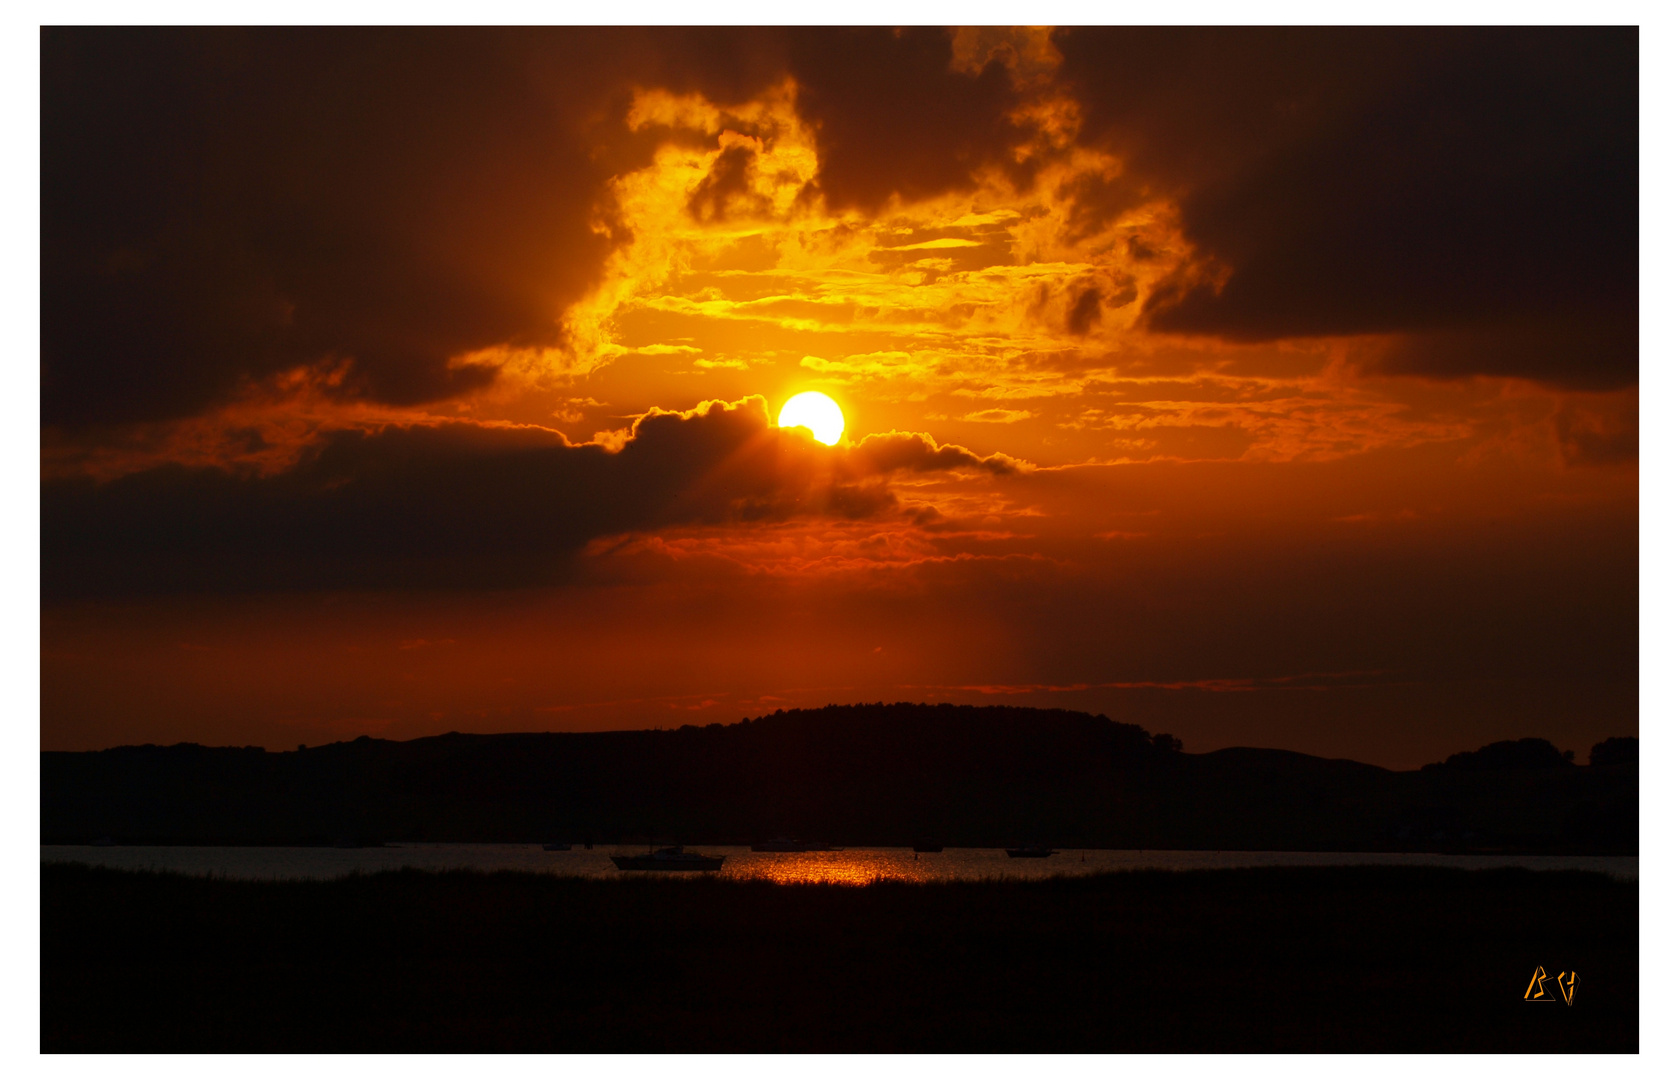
x=1269 y=387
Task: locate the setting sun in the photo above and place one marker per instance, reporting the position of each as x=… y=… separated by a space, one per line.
x=1245 y=479
x=816 y=411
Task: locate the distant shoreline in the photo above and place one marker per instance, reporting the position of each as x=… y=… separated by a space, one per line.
x=605 y=845
x=874 y=775
x=851 y=865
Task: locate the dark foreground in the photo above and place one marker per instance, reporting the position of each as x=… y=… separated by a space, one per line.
x=1332 y=959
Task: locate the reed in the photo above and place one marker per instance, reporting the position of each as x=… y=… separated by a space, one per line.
x=1295 y=959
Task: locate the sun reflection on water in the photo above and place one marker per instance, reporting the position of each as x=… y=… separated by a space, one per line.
x=860 y=867
x=855 y=866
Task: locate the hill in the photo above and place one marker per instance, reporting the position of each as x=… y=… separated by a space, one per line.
x=857 y=775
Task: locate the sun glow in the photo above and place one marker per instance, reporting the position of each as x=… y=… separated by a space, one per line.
x=816 y=411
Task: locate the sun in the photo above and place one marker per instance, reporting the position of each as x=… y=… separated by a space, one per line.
x=816 y=411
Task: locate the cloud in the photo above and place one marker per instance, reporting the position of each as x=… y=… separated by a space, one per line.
x=1598 y=429
x=460 y=504
x=935 y=244
x=894 y=116
x=222 y=205
x=1592 y=349
x=726 y=190
x=407 y=209
x=1475 y=187
x=1315 y=681
x=919 y=452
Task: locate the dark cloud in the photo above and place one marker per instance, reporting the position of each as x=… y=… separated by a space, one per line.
x=892 y=117
x=1602 y=432
x=222 y=205
x=457 y=504
x=914 y=451
x=1465 y=183
x=1087 y=309
x=1590 y=348
x=726 y=183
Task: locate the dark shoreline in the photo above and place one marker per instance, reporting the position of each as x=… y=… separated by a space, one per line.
x=634 y=843
x=881 y=775
x=1299 y=959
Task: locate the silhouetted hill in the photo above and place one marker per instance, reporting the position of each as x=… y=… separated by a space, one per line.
x=1619 y=751
x=1509 y=754
x=858 y=774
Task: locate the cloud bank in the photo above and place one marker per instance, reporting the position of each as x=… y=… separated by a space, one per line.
x=460 y=504
x=220 y=206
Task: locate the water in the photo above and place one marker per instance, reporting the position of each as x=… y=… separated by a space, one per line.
x=853 y=866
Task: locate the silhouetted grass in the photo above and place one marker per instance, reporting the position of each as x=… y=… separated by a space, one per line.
x=1343 y=958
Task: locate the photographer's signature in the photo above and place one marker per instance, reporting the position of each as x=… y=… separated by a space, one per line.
x=1540 y=986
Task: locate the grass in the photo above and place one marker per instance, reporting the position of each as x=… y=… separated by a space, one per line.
x=1287 y=959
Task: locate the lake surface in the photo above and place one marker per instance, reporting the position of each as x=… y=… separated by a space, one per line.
x=852 y=866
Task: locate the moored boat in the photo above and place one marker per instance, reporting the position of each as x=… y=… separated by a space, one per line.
x=556 y=847
x=1030 y=851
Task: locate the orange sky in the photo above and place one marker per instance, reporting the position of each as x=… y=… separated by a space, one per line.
x=473 y=432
